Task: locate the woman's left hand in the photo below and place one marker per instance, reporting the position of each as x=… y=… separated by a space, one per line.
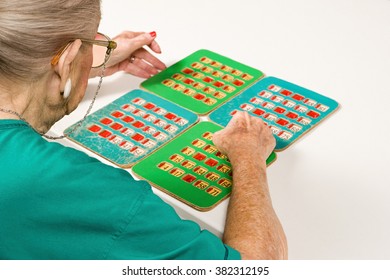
x=131 y=57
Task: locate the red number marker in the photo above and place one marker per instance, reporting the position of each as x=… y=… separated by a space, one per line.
x=138 y=124
x=94 y=128
x=189 y=178
x=170 y=116
x=313 y=114
x=211 y=162
x=285 y=92
x=105 y=134
x=282 y=122
x=199 y=156
x=138 y=137
x=298 y=97
x=280 y=110
x=149 y=106
x=292 y=115
x=106 y=121
x=116 y=126
x=117 y=114
x=258 y=112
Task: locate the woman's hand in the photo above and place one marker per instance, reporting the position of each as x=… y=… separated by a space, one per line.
x=245 y=136
x=131 y=57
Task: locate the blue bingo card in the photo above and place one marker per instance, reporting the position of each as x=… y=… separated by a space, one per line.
x=288 y=109
x=131 y=127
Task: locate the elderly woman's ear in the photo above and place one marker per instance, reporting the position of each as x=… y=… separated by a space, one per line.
x=64 y=66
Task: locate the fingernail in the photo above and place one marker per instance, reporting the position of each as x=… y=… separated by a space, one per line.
x=153 y=34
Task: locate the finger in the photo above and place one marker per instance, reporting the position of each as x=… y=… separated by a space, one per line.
x=239 y=119
x=139 y=41
x=130 y=35
x=234 y=120
x=154 y=46
x=151 y=59
x=247 y=118
x=217 y=139
x=133 y=69
x=145 y=66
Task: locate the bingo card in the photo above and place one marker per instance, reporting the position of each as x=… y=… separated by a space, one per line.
x=288 y=109
x=202 y=81
x=131 y=127
x=190 y=168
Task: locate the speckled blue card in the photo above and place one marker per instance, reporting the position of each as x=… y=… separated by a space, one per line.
x=131 y=127
x=288 y=109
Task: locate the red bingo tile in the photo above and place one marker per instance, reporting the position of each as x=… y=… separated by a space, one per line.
x=211 y=162
x=279 y=110
x=170 y=116
x=105 y=134
x=258 y=112
x=199 y=156
x=282 y=122
x=292 y=115
x=149 y=106
x=199 y=96
x=188 y=71
x=116 y=126
x=298 y=97
x=313 y=114
x=117 y=114
x=218 y=84
x=106 y=121
x=138 y=124
x=127 y=119
x=285 y=92
x=238 y=83
x=94 y=128
x=208 y=79
x=138 y=137
x=189 y=178
x=188 y=81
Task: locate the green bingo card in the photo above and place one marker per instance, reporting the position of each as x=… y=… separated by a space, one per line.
x=191 y=169
x=131 y=127
x=202 y=81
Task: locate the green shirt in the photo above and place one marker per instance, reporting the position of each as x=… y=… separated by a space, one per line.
x=58 y=203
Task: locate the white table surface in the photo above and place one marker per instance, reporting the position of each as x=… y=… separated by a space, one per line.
x=331 y=189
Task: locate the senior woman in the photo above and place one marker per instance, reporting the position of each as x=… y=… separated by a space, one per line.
x=57 y=202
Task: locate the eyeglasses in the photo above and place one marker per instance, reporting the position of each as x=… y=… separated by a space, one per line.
x=102 y=49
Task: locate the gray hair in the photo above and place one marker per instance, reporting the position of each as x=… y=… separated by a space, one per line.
x=32 y=32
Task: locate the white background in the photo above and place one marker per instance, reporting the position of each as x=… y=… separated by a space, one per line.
x=331 y=189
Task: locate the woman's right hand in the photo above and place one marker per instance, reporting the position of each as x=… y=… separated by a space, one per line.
x=245 y=136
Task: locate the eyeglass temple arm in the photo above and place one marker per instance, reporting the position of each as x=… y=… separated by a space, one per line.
x=109 y=44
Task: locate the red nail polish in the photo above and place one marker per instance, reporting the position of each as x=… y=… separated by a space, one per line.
x=153 y=34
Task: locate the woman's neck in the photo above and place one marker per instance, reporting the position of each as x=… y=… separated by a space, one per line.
x=31 y=103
